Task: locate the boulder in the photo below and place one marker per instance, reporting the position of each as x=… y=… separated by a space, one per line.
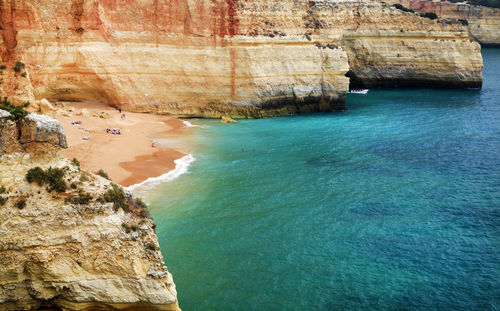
x=226 y=119
x=102 y=115
x=45 y=107
x=40 y=133
x=84 y=113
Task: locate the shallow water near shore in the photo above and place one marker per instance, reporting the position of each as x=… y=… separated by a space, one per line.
x=393 y=204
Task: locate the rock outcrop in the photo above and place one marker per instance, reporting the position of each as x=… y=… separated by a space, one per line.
x=228 y=57
x=389 y=47
x=32 y=134
x=71 y=250
x=483 y=22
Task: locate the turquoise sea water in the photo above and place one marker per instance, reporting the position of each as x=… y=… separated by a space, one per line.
x=391 y=205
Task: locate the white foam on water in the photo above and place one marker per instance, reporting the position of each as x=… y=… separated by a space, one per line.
x=189 y=124
x=181 y=167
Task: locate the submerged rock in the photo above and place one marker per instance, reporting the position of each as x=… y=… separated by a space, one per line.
x=226 y=119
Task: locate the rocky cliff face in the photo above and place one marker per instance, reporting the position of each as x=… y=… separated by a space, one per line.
x=70 y=250
x=215 y=57
x=389 y=47
x=484 y=22
x=35 y=133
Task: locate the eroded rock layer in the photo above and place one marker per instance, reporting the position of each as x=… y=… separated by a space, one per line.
x=216 y=57
x=483 y=22
x=68 y=250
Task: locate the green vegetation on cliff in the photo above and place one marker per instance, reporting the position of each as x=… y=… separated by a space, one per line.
x=405 y=9
x=488 y=3
x=51 y=176
x=102 y=173
x=3 y=199
x=430 y=15
x=19 y=66
x=17 y=112
x=117 y=196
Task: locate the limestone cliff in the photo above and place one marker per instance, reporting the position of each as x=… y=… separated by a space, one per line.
x=483 y=22
x=389 y=47
x=227 y=57
x=71 y=250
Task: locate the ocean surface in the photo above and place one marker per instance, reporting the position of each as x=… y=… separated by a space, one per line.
x=393 y=204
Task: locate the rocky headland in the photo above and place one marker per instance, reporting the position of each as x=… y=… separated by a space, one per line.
x=69 y=239
x=211 y=58
x=483 y=22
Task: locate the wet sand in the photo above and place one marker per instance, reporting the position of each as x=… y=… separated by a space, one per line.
x=128 y=158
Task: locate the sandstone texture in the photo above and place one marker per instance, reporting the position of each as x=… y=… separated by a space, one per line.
x=483 y=22
x=57 y=253
x=212 y=58
x=389 y=47
x=32 y=134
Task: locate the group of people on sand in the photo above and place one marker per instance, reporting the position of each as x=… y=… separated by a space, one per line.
x=76 y=123
x=114 y=131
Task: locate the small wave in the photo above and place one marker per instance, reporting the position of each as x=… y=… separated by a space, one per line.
x=181 y=167
x=189 y=124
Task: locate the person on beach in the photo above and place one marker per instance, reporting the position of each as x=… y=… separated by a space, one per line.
x=123 y=116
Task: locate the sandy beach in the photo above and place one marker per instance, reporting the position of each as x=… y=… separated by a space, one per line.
x=138 y=153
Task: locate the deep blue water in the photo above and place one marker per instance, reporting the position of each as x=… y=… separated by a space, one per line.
x=393 y=204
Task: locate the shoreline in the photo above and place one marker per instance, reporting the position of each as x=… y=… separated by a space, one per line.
x=147 y=146
x=181 y=167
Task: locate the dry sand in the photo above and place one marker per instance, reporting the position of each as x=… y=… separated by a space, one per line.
x=129 y=158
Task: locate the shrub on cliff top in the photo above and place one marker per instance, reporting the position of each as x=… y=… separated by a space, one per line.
x=2 y=190
x=82 y=197
x=464 y=22
x=3 y=201
x=126 y=227
x=17 y=112
x=141 y=209
x=76 y=162
x=102 y=173
x=83 y=178
x=55 y=179
x=429 y=15
x=117 y=196
x=140 y=203
x=19 y=66
x=2 y=67
x=58 y=186
x=151 y=247
x=51 y=176
x=21 y=203
x=402 y=8
x=36 y=175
